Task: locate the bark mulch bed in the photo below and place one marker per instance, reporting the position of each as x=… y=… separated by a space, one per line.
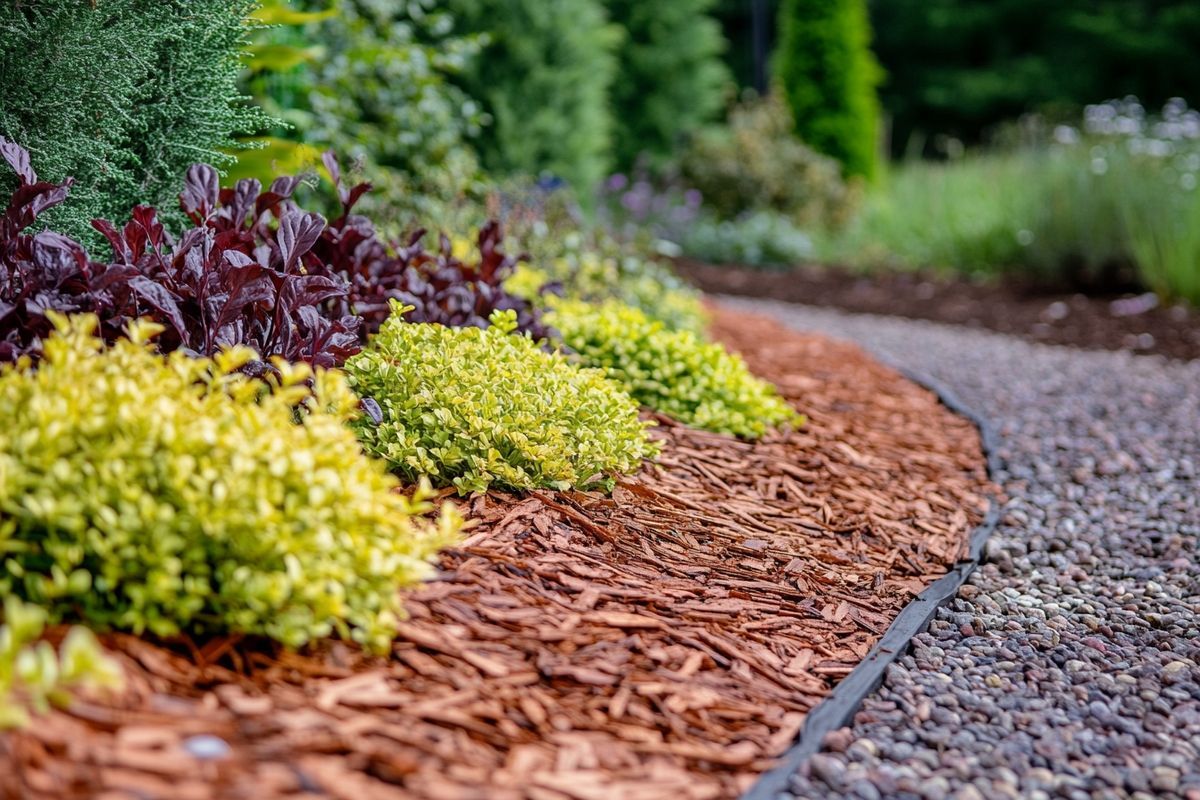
x=1119 y=322
x=664 y=642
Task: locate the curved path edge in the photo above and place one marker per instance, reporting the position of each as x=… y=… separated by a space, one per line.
x=838 y=709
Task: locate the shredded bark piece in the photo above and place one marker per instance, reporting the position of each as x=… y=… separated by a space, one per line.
x=666 y=641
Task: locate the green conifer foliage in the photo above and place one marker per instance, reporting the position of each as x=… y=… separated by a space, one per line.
x=824 y=65
x=121 y=94
x=544 y=79
x=671 y=78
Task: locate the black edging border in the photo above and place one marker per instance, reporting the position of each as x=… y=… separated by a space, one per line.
x=838 y=709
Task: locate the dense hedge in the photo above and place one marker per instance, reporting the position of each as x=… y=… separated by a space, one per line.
x=823 y=63
x=675 y=372
x=163 y=494
x=122 y=95
x=544 y=79
x=473 y=408
x=670 y=78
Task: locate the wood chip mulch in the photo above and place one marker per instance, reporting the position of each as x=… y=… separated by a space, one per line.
x=662 y=643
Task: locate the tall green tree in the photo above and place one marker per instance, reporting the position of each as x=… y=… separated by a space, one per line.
x=824 y=66
x=670 y=80
x=544 y=78
x=121 y=94
x=960 y=67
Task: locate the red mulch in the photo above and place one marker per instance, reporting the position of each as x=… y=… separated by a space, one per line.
x=664 y=642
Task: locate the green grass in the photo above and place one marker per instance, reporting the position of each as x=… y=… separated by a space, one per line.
x=1076 y=216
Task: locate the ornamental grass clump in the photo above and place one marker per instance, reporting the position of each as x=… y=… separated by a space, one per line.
x=673 y=372
x=169 y=493
x=474 y=408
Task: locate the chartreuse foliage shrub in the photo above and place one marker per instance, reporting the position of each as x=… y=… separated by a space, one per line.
x=824 y=65
x=543 y=77
x=33 y=676
x=122 y=95
x=597 y=268
x=164 y=494
x=473 y=408
x=670 y=79
x=674 y=372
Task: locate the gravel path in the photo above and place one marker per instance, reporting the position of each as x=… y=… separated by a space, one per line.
x=1069 y=665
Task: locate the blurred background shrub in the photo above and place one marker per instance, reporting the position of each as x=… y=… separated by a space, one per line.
x=670 y=77
x=543 y=78
x=824 y=66
x=371 y=79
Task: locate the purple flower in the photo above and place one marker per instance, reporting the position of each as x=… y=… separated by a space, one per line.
x=616 y=182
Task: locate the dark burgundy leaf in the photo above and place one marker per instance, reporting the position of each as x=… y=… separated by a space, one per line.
x=18 y=158
x=162 y=300
x=201 y=192
x=298 y=232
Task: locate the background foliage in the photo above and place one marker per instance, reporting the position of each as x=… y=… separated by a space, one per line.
x=370 y=79
x=543 y=78
x=670 y=78
x=961 y=67
x=824 y=66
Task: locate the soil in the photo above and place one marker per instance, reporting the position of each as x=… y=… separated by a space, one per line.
x=666 y=641
x=1137 y=323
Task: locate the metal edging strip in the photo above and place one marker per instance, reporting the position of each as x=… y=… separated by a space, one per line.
x=838 y=709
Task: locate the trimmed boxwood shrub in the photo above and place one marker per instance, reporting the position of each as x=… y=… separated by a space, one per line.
x=674 y=372
x=824 y=65
x=473 y=408
x=169 y=494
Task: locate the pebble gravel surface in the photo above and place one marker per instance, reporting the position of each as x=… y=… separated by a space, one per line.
x=1069 y=664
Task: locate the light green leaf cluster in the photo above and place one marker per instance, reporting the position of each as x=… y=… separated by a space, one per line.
x=33 y=676
x=674 y=372
x=168 y=494
x=475 y=408
x=598 y=268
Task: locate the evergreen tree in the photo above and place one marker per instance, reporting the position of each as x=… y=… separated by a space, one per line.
x=824 y=66
x=961 y=67
x=121 y=94
x=670 y=79
x=544 y=78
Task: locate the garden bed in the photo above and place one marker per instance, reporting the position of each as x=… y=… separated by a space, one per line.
x=1121 y=322
x=666 y=641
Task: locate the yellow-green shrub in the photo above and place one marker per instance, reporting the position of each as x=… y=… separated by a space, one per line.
x=597 y=267
x=33 y=676
x=472 y=408
x=171 y=493
x=675 y=372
